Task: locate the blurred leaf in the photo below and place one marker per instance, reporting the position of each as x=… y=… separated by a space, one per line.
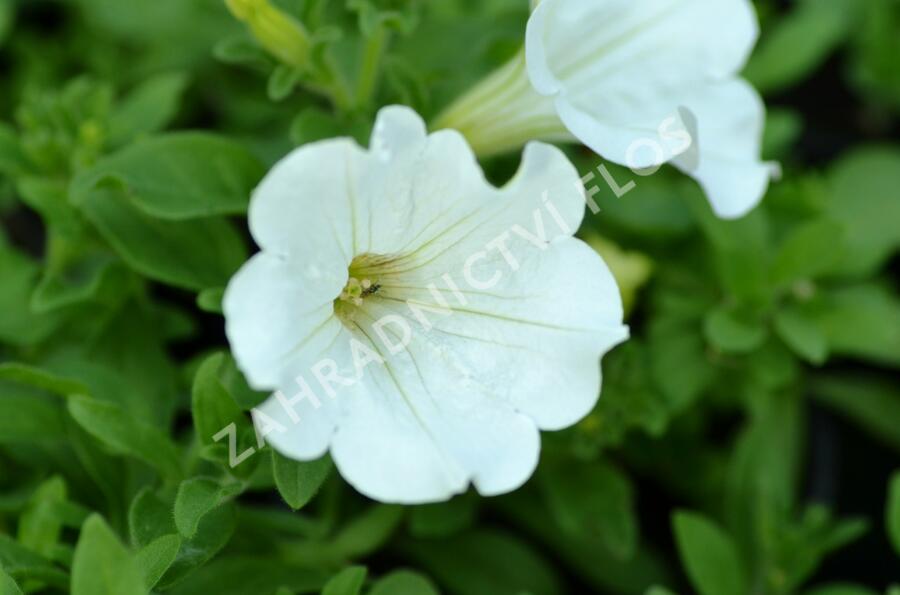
x=102 y=565
x=177 y=176
x=810 y=250
x=125 y=435
x=871 y=401
x=7 y=585
x=404 y=582
x=193 y=253
x=783 y=128
x=242 y=575
x=18 y=324
x=445 y=518
x=709 y=556
x=861 y=321
x=729 y=332
x=802 y=334
x=592 y=499
x=30 y=418
x=282 y=82
x=841 y=589
x=41 y=523
x=210 y=300
x=299 y=481
x=892 y=512
x=148 y=108
x=347 y=582
x=485 y=562
x=24 y=565
x=862 y=197
x=799 y=43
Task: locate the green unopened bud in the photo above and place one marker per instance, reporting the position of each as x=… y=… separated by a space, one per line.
x=277 y=32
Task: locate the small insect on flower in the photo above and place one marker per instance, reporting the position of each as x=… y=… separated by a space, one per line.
x=414 y=320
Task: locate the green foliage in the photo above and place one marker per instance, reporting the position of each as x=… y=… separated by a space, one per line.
x=132 y=135
x=709 y=555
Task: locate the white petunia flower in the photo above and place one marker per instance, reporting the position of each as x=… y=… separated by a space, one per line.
x=413 y=319
x=641 y=82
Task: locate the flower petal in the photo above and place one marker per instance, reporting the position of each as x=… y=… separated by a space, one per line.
x=637 y=80
x=730 y=118
x=306 y=205
x=629 y=47
x=279 y=310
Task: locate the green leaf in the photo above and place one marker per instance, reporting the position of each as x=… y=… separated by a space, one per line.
x=148 y=108
x=155 y=558
x=6 y=17
x=42 y=521
x=196 y=498
x=811 y=249
x=193 y=253
x=150 y=517
x=210 y=300
x=19 y=325
x=863 y=198
x=102 y=565
x=892 y=512
x=30 y=418
x=368 y=531
x=299 y=481
x=801 y=333
x=41 y=379
x=178 y=176
x=709 y=555
x=24 y=565
x=861 y=321
x=125 y=435
x=871 y=401
x=659 y=591
x=731 y=332
x=347 y=582
x=799 y=43
x=213 y=406
x=592 y=499
x=7 y=585
x=485 y=562
x=404 y=582
x=841 y=589
x=314 y=124
x=243 y=575
x=282 y=82
x=444 y=518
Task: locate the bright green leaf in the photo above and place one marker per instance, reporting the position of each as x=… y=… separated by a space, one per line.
x=148 y=108
x=347 y=582
x=299 y=481
x=102 y=565
x=709 y=555
x=196 y=498
x=404 y=582
x=178 y=176
x=155 y=558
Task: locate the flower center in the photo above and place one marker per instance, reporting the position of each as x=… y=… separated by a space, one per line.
x=357 y=289
x=362 y=284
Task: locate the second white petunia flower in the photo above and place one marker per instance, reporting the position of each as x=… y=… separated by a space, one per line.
x=642 y=83
x=414 y=320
